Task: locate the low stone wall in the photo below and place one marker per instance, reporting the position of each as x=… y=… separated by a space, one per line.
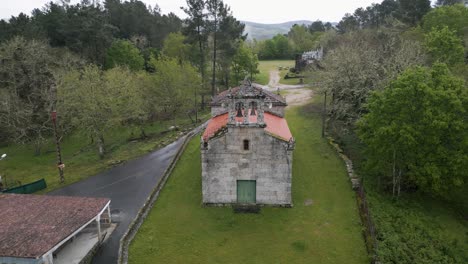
x=143 y=212
x=363 y=207
x=355 y=180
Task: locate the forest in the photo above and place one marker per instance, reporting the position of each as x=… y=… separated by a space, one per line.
x=117 y=63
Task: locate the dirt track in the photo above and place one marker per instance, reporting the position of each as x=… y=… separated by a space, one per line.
x=299 y=96
x=296 y=95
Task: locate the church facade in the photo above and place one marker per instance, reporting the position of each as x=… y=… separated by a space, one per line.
x=247 y=149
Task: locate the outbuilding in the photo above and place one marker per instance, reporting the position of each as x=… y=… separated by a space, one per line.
x=42 y=229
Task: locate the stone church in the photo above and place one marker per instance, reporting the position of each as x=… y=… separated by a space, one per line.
x=247 y=149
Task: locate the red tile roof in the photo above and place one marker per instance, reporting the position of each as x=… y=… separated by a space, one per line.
x=275 y=126
x=31 y=225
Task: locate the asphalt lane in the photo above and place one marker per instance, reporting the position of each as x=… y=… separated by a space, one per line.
x=128 y=186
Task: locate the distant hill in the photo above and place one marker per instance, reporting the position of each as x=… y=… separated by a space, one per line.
x=266 y=31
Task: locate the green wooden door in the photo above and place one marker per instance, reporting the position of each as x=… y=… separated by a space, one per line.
x=246 y=192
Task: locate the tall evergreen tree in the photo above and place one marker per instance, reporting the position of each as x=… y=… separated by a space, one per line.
x=216 y=10
x=196 y=31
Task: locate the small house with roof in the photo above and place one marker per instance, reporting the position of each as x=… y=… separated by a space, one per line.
x=43 y=229
x=247 y=149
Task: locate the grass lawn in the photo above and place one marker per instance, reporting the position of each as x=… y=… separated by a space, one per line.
x=266 y=66
x=80 y=156
x=179 y=230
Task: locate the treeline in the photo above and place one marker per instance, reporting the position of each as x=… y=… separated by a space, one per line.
x=300 y=38
x=89 y=29
x=395 y=75
x=103 y=66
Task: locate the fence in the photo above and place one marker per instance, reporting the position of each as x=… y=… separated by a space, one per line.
x=28 y=188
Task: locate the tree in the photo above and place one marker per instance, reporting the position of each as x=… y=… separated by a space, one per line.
x=216 y=10
x=175 y=47
x=347 y=24
x=27 y=87
x=172 y=90
x=282 y=46
x=448 y=2
x=230 y=38
x=268 y=50
x=412 y=11
x=454 y=17
x=135 y=18
x=317 y=26
x=302 y=38
x=245 y=63
x=197 y=33
x=415 y=131
x=362 y=62
x=98 y=101
x=83 y=28
x=445 y=46
x=124 y=53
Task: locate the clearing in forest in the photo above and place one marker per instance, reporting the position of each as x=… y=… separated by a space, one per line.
x=322 y=227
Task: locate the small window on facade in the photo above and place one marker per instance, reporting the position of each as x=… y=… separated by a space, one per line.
x=246 y=144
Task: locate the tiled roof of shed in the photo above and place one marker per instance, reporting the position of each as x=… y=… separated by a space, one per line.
x=31 y=225
x=275 y=99
x=275 y=126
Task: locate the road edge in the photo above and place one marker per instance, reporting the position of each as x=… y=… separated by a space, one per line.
x=153 y=197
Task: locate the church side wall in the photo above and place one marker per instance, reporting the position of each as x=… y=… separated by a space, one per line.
x=268 y=161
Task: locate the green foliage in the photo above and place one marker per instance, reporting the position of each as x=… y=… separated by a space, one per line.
x=172 y=87
x=136 y=18
x=445 y=46
x=245 y=63
x=416 y=132
x=276 y=48
x=449 y=2
x=89 y=27
x=196 y=31
x=97 y=101
x=454 y=17
x=407 y=11
x=328 y=231
x=302 y=39
x=124 y=53
x=412 y=11
x=418 y=232
x=175 y=47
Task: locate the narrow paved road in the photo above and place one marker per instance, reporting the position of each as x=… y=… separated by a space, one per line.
x=128 y=186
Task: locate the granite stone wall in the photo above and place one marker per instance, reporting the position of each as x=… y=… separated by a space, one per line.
x=268 y=161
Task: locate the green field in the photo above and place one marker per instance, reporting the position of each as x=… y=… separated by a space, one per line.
x=180 y=230
x=266 y=66
x=80 y=155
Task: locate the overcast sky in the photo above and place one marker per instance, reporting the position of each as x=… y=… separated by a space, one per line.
x=263 y=11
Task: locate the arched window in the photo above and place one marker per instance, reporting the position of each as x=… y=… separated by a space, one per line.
x=239 y=109
x=253 y=108
x=246 y=144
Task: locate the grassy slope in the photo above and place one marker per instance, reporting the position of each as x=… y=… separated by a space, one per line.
x=80 y=156
x=180 y=230
x=266 y=66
